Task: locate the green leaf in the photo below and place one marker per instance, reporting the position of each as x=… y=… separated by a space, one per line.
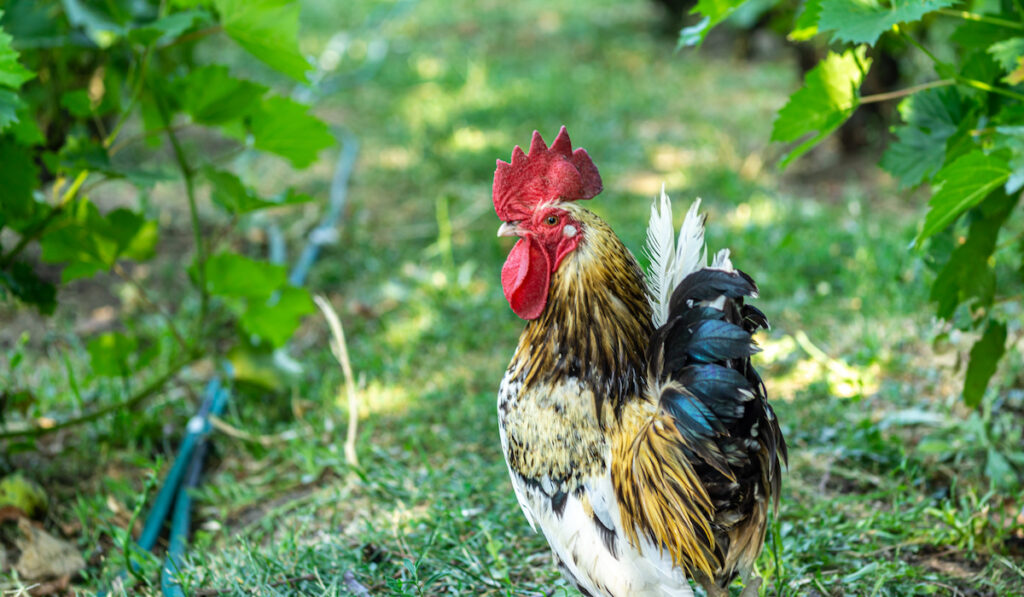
x=863 y=21
x=978 y=35
x=1011 y=138
x=285 y=127
x=967 y=273
x=168 y=28
x=962 y=185
x=77 y=102
x=1007 y=52
x=277 y=319
x=806 y=25
x=25 y=130
x=980 y=66
x=12 y=73
x=87 y=154
x=267 y=29
x=26 y=285
x=94 y=20
x=714 y=11
x=932 y=117
x=235 y=197
x=109 y=353
x=985 y=355
x=829 y=96
x=18 y=178
x=211 y=95
x=10 y=105
x=88 y=242
x=234 y=275
x=135 y=237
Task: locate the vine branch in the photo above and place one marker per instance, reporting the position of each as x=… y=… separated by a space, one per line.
x=190 y=192
x=881 y=97
x=38 y=428
x=973 y=16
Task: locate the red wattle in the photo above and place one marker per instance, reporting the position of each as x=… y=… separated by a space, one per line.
x=525 y=278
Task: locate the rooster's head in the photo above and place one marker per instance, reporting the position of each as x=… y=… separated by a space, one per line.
x=530 y=195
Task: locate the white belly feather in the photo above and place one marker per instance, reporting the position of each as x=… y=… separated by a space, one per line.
x=583 y=551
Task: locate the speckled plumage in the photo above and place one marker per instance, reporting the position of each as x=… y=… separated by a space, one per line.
x=593 y=422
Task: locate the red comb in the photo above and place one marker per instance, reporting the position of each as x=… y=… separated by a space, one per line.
x=547 y=173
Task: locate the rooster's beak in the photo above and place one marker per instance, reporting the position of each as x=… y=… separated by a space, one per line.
x=510 y=229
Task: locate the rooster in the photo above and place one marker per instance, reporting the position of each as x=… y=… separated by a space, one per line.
x=637 y=434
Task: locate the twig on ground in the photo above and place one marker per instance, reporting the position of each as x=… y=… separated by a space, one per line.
x=264 y=440
x=340 y=350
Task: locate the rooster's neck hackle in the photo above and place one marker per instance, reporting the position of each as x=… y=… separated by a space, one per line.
x=597 y=321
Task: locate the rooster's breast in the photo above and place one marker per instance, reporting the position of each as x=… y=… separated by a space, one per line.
x=559 y=461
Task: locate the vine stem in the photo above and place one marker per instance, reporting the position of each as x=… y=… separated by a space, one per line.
x=964 y=80
x=881 y=97
x=973 y=16
x=42 y=428
x=41 y=226
x=990 y=88
x=144 y=297
x=190 y=192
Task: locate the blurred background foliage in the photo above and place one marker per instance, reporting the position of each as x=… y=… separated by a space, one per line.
x=163 y=161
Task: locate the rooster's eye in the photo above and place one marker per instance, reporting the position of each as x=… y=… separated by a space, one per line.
x=551 y=220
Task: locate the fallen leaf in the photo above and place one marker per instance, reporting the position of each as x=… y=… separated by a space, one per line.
x=44 y=556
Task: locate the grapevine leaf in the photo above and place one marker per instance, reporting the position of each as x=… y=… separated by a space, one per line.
x=967 y=273
x=12 y=73
x=235 y=197
x=714 y=11
x=693 y=35
x=10 y=105
x=97 y=25
x=806 y=25
x=828 y=97
x=18 y=177
x=284 y=127
x=267 y=29
x=168 y=28
x=26 y=131
x=979 y=35
x=211 y=95
x=985 y=355
x=961 y=185
x=23 y=282
x=980 y=66
x=1017 y=74
x=77 y=102
x=1011 y=138
x=277 y=318
x=931 y=118
x=234 y=275
x=1007 y=52
x=863 y=21
x=135 y=236
x=88 y=242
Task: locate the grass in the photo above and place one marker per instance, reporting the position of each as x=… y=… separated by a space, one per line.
x=894 y=488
